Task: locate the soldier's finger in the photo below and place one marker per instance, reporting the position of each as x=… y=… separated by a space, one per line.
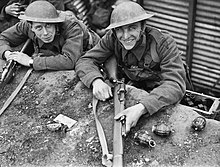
x=127 y=127
x=110 y=92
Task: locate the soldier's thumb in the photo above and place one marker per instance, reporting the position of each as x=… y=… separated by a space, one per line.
x=119 y=115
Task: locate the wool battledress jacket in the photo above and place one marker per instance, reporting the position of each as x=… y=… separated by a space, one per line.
x=165 y=69
x=69 y=44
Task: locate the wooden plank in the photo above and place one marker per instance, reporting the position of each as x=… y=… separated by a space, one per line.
x=207 y=32
x=207 y=20
x=213 y=3
x=207 y=37
x=173 y=19
x=203 y=79
x=182 y=48
x=212 y=89
x=206 y=53
x=208 y=8
x=173 y=2
x=161 y=25
x=168 y=12
x=169 y=5
x=206 y=27
x=210 y=63
x=207 y=48
x=205 y=70
x=204 y=42
x=203 y=84
x=190 y=36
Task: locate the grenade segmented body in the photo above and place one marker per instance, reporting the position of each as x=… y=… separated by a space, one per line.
x=161 y=129
x=144 y=138
x=199 y=123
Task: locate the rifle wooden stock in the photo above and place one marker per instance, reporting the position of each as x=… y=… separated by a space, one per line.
x=119 y=101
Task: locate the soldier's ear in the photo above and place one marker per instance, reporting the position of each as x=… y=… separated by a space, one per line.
x=57 y=29
x=143 y=25
x=29 y=23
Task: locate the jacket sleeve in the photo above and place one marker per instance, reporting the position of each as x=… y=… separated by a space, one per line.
x=87 y=67
x=173 y=85
x=2 y=14
x=72 y=49
x=13 y=37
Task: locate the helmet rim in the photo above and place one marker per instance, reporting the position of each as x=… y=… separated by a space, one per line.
x=42 y=20
x=41 y=11
x=134 y=20
x=128 y=12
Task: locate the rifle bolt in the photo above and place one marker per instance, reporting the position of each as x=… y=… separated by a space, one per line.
x=122 y=119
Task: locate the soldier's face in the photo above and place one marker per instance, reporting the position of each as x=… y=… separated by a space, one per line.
x=128 y=35
x=44 y=31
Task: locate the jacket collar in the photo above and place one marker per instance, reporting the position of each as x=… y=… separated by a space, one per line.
x=55 y=42
x=138 y=49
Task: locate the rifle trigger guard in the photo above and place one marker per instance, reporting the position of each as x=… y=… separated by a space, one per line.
x=123 y=129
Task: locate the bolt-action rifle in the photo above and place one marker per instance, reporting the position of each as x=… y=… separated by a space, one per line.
x=119 y=102
x=10 y=67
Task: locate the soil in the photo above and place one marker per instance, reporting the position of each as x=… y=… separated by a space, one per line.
x=26 y=141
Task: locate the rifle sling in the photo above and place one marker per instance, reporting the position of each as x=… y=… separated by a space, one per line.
x=18 y=88
x=106 y=157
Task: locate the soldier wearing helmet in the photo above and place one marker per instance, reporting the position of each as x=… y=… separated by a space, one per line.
x=58 y=42
x=11 y=9
x=146 y=57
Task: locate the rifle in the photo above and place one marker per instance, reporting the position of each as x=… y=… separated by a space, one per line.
x=119 y=102
x=10 y=67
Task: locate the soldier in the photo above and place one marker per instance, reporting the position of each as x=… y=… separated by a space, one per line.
x=146 y=57
x=58 y=43
x=11 y=9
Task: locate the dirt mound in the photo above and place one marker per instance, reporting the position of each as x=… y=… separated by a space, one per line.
x=25 y=140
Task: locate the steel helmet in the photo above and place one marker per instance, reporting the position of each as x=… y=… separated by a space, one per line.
x=127 y=13
x=41 y=11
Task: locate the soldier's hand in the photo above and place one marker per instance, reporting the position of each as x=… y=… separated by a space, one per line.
x=13 y=9
x=101 y=90
x=132 y=115
x=19 y=57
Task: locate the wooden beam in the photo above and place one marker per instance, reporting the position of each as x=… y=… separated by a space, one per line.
x=190 y=34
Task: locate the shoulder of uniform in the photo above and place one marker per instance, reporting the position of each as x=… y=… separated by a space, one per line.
x=158 y=34
x=69 y=25
x=110 y=34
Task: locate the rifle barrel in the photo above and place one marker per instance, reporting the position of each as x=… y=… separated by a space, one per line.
x=119 y=95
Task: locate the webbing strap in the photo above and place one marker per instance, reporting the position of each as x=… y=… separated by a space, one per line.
x=90 y=39
x=13 y=95
x=106 y=157
x=153 y=51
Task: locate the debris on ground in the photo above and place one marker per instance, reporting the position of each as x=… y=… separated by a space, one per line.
x=29 y=136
